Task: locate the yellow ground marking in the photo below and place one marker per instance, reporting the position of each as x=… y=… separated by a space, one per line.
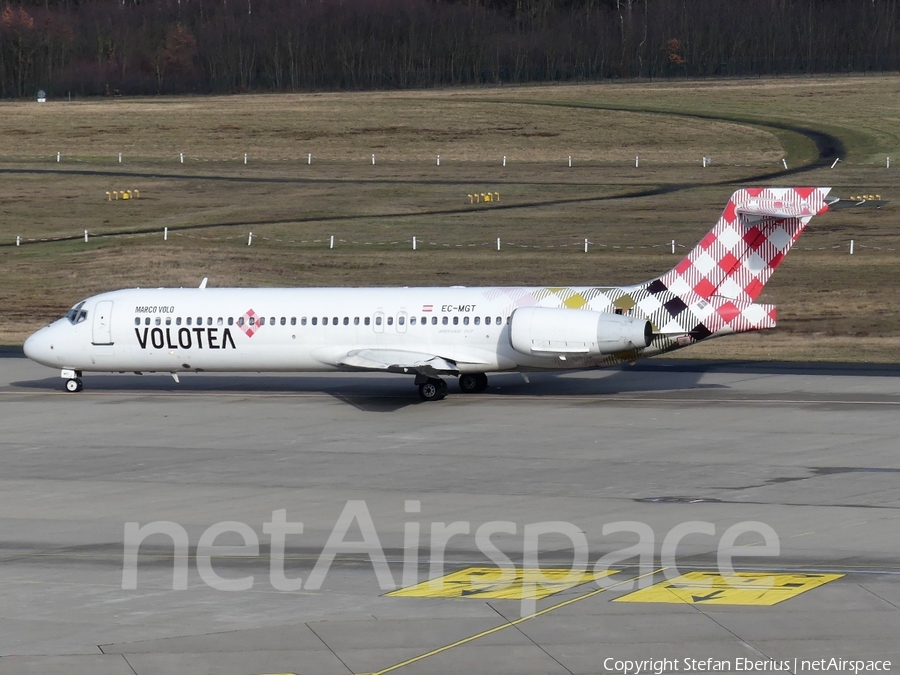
x=491 y=631
x=493 y=583
x=742 y=588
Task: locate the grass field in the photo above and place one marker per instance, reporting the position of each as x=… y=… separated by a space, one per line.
x=831 y=305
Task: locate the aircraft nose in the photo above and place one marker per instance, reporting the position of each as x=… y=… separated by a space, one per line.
x=38 y=347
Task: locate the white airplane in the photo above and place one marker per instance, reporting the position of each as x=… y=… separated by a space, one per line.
x=434 y=332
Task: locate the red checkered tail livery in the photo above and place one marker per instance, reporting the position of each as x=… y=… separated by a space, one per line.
x=714 y=289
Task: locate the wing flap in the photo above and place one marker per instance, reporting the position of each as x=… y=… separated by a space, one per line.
x=398 y=361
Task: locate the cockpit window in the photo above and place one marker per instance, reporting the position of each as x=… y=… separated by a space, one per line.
x=77 y=314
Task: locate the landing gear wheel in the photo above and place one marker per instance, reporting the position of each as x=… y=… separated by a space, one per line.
x=74 y=385
x=433 y=390
x=473 y=383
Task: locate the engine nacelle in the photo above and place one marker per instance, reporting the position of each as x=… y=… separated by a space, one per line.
x=544 y=331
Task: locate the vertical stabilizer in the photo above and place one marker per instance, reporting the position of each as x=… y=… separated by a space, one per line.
x=721 y=278
x=739 y=255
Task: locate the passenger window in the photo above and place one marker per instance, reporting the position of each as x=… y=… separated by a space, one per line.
x=367 y=320
x=499 y=320
x=137 y=321
x=252 y=320
x=355 y=320
x=220 y=321
x=390 y=321
x=262 y=321
x=377 y=320
x=199 y=320
x=424 y=321
x=147 y=321
x=283 y=321
x=168 y=320
x=158 y=321
x=335 y=321
x=209 y=321
x=401 y=320
x=487 y=321
x=293 y=320
x=240 y=321
x=445 y=321
x=188 y=320
x=272 y=321
x=465 y=321
x=178 y=321
x=303 y=321
x=230 y=320
x=346 y=320
x=412 y=321
x=508 y=319
x=314 y=320
x=477 y=320
x=455 y=320
x=434 y=321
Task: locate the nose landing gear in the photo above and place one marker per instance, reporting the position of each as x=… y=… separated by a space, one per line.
x=73 y=380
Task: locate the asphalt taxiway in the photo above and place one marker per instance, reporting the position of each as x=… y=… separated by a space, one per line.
x=811 y=451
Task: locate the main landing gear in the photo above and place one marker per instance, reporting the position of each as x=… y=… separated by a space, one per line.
x=435 y=389
x=473 y=383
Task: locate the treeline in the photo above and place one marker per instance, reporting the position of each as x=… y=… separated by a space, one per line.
x=107 y=47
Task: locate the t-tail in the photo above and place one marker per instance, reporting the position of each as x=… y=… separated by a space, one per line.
x=713 y=291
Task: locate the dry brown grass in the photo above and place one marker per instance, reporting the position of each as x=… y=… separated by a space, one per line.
x=400 y=126
x=831 y=306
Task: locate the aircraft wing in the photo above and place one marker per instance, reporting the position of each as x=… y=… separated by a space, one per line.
x=399 y=361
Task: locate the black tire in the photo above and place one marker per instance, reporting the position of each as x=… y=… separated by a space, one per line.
x=73 y=385
x=473 y=383
x=433 y=390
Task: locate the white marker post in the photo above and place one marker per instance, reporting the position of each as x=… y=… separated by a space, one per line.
x=414 y=242
x=309 y=158
x=85 y=236
x=570 y=161
x=498 y=243
x=331 y=242
x=585 y=245
x=673 y=247
x=245 y=158
x=181 y=157
x=373 y=159
x=120 y=158
x=888 y=162
x=504 y=160
x=704 y=162
x=58 y=155
x=851 y=247
x=637 y=161
x=250 y=239
x=18 y=240
x=438 y=160
x=165 y=234
x=784 y=161
x=834 y=164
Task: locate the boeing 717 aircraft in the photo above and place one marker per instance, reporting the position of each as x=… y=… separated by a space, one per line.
x=431 y=333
